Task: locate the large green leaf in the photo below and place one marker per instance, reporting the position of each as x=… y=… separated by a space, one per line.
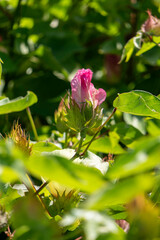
x=119 y=193
x=144 y=157
x=18 y=104
x=138 y=103
x=65 y=172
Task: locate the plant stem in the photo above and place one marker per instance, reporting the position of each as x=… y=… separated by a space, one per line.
x=41 y=187
x=38 y=196
x=32 y=123
x=79 y=146
x=66 y=139
x=100 y=128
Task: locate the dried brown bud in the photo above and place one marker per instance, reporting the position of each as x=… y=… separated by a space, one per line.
x=20 y=138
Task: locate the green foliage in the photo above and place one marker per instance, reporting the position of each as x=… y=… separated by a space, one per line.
x=138 y=103
x=71 y=185
x=18 y=104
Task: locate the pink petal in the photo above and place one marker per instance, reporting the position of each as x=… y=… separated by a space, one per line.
x=80 y=85
x=98 y=95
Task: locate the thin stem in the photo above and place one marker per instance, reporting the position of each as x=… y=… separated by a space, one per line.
x=32 y=123
x=100 y=128
x=101 y=135
x=66 y=139
x=38 y=196
x=41 y=187
x=80 y=145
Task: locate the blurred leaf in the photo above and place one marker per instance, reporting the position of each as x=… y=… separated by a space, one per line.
x=7 y=195
x=144 y=220
x=138 y=103
x=49 y=60
x=119 y=193
x=113 y=46
x=96 y=224
x=127 y=51
x=11 y=162
x=106 y=145
x=153 y=127
x=31 y=222
x=137 y=122
x=148 y=45
x=65 y=172
x=44 y=147
x=18 y=104
x=145 y=47
x=127 y=133
x=142 y=158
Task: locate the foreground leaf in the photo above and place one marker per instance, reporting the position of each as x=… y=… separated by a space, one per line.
x=65 y=172
x=119 y=193
x=144 y=157
x=138 y=103
x=18 y=104
x=44 y=147
x=11 y=165
x=106 y=145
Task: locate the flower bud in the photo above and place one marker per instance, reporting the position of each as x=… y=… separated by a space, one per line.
x=81 y=112
x=151 y=25
x=83 y=90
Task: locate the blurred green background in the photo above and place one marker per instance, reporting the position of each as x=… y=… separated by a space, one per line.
x=43 y=43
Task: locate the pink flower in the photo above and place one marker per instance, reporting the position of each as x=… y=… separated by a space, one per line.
x=83 y=90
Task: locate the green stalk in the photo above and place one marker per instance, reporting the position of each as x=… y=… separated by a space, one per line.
x=100 y=128
x=66 y=139
x=79 y=146
x=32 y=123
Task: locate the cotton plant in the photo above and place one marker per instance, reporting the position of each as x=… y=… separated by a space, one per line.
x=81 y=111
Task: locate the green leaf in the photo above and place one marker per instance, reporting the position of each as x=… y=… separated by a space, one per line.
x=127 y=51
x=126 y=133
x=11 y=163
x=153 y=127
x=31 y=222
x=145 y=47
x=44 y=147
x=144 y=157
x=18 y=104
x=138 y=103
x=107 y=145
x=119 y=193
x=65 y=172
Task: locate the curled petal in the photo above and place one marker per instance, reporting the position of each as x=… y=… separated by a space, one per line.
x=80 y=85
x=98 y=95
